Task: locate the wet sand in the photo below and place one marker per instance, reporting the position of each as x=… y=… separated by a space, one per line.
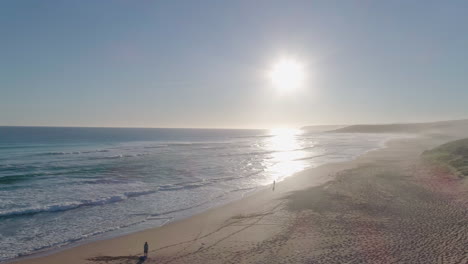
x=387 y=206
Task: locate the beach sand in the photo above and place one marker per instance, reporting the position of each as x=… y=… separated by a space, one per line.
x=387 y=206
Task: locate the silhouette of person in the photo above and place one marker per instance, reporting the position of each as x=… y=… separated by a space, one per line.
x=145 y=249
x=274 y=183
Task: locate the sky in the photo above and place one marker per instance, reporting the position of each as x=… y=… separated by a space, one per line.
x=204 y=63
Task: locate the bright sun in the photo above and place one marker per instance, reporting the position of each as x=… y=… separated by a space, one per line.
x=287 y=75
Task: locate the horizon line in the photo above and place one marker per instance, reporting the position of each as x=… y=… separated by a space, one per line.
x=230 y=128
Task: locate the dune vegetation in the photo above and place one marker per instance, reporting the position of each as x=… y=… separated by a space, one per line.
x=454 y=155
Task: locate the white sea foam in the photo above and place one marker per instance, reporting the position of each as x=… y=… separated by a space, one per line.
x=72 y=205
x=107 y=188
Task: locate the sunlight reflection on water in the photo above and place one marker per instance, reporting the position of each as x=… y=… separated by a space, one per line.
x=287 y=154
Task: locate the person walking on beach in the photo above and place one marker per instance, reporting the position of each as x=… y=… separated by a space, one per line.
x=145 y=249
x=274 y=183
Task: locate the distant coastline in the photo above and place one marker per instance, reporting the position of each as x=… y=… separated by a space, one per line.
x=417 y=128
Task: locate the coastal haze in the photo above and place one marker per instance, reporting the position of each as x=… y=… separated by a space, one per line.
x=98 y=183
x=206 y=132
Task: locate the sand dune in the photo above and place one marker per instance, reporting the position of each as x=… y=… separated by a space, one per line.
x=446 y=127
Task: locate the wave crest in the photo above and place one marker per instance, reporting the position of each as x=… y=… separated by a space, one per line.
x=60 y=207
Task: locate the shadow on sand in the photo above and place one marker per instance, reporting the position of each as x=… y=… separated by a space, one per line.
x=119 y=259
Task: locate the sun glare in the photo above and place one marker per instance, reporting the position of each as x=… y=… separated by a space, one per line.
x=287 y=75
x=287 y=156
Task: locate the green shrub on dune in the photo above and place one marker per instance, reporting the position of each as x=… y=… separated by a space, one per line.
x=453 y=154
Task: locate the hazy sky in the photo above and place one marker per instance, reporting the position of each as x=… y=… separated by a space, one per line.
x=203 y=63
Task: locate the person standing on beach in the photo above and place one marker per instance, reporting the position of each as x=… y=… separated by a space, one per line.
x=274 y=183
x=145 y=249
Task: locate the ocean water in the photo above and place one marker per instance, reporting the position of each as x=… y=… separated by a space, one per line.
x=63 y=185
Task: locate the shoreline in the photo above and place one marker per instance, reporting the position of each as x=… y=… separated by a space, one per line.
x=124 y=211
x=56 y=250
x=194 y=228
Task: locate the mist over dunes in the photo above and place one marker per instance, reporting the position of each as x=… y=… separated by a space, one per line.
x=452 y=127
x=322 y=128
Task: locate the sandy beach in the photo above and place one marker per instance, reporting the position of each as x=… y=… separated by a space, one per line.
x=387 y=206
x=233 y=132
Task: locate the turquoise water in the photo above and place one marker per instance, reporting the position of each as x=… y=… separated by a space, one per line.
x=63 y=185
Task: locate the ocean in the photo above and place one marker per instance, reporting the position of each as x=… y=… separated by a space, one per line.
x=60 y=186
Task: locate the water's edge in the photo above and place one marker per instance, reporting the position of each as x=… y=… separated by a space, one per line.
x=111 y=234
